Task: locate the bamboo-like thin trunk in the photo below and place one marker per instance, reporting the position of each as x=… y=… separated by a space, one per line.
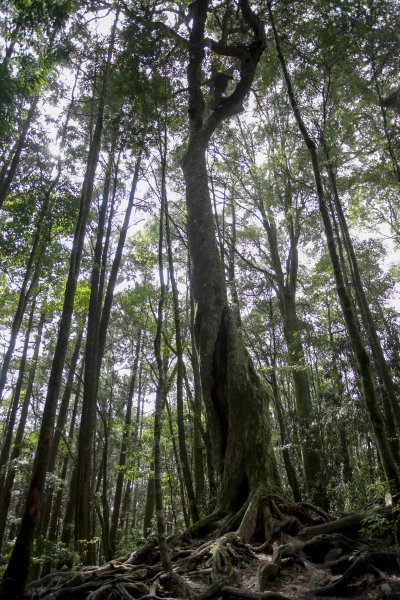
x=5 y=184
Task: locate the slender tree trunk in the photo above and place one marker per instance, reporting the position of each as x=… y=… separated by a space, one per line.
x=85 y=457
x=33 y=265
x=364 y=365
x=136 y=445
x=30 y=279
x=159 y=403
x=5 y=450
x=290 y=470
x=58 y=500
x=149 y=506
x=338 y=387
x=206 y=439
x=199 y=477
x=58 y=432
x=68 y=525
x=17 y=570
x=109 y=295
x=309 y=441
x=104 y=514
x=186 y=518
x=285 y=286
x=183 y=453
x=393 y=411
x=124 y=448
x=97 y=331
x=5 y=496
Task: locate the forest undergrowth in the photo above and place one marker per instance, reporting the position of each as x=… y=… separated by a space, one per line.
x=307 y=555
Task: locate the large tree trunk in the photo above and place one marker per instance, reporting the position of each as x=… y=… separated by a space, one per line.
x=235 y=399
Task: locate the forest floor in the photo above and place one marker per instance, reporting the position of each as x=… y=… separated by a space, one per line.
x=323 y=558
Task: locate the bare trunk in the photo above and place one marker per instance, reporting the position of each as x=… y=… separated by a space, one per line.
x=149 y=507
x=393 y=411
x=58 y=500
x=159 y=404
x=197 y=407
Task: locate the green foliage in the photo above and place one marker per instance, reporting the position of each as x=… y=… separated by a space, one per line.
x=378 y=525
x=53 y=554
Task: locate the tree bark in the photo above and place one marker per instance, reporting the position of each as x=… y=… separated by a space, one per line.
x=159 y=403
x=285 y=286
x=392 y=413
x=235 y=399
x=199 y=475
x=30 y=279
x=85 y=458
x=58 y=500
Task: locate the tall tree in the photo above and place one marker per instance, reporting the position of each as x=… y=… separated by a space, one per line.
x=363 y=360
x=235 y=399
x=17 y=570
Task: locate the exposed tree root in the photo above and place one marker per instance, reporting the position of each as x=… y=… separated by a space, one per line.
x=349 y=524
x=300 y=544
